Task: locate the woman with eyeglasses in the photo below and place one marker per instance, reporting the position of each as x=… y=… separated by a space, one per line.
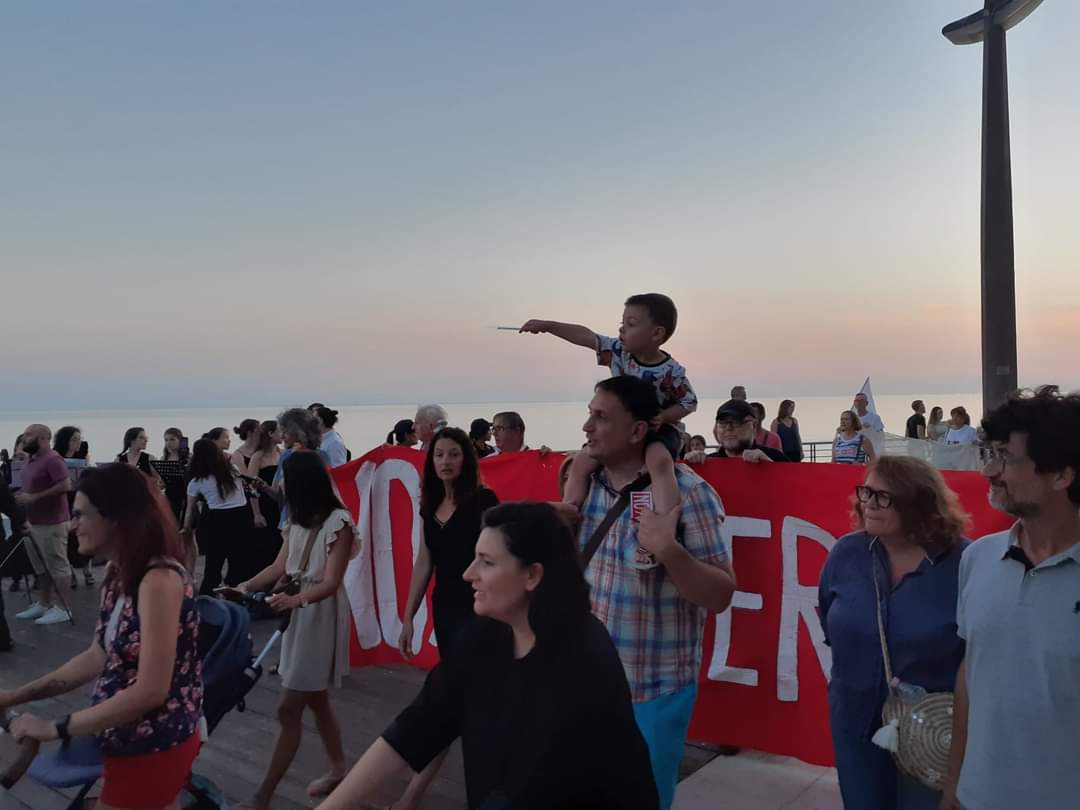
x=904 y=559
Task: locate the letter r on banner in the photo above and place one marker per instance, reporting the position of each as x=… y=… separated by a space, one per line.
x=798 y=601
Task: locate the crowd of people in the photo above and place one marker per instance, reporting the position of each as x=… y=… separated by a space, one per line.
x=571 y=634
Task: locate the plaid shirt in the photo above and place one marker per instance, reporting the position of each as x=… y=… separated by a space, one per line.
x=656 y=631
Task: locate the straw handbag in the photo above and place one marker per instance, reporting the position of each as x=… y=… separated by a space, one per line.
x=918 y=732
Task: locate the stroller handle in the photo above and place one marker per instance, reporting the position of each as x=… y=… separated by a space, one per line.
x=28 y=749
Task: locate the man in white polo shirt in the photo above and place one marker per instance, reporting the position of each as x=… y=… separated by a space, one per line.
x=1016 y=724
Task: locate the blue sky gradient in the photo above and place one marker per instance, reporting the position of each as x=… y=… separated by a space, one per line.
x=211 y=203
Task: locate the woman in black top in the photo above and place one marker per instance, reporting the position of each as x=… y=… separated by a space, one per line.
x=537 y=692
x=452 y=504
x=134 y=452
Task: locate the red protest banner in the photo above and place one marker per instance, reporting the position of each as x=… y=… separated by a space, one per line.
x=765 y=663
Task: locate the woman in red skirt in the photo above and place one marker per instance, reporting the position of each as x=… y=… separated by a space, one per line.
x=148 y=698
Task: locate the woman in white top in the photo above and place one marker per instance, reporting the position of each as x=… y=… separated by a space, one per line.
x=936 y=427
x=960 y=429
x=315 y=648
x=332 y=445
x=226 y=524
x=850 y=446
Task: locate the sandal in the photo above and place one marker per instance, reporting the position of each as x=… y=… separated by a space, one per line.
x=324 y=785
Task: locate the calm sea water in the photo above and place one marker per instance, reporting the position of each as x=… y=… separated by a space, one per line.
x=556 y=424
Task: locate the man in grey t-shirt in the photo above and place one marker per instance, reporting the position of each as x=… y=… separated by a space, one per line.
x=1016 y=724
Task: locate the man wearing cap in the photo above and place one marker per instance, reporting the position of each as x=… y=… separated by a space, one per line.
x=735 y=428
x=479 y=434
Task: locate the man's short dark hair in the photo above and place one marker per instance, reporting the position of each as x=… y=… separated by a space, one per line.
x=917 y=404
x=512 y=419
x=636 y=395
x=661 y=310
x=1051 y=422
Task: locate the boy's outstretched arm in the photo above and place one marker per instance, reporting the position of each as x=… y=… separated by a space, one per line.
x=570 y=332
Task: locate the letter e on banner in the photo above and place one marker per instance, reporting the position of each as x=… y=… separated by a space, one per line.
x=750 y=528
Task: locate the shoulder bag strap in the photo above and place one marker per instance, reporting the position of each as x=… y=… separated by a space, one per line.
x=617 y=508
x=308 y=547
x=881 y=627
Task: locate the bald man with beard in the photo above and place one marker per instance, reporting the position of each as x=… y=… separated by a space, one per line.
x=45 y=485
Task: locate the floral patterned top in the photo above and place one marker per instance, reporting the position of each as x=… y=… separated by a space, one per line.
x=118 y=634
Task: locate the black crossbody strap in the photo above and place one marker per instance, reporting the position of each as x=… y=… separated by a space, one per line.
x=617 y=508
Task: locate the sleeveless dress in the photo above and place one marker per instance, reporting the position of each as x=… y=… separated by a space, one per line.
x=142 y=464
x=790 y=440
x=269 y=538
x=453 y=547
x=117 y=632
x=315 y=648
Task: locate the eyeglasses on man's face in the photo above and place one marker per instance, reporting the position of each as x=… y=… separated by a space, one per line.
x=991 y=456
x=880 y=498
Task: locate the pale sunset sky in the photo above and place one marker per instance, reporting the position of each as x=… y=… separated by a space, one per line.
x=211 y=203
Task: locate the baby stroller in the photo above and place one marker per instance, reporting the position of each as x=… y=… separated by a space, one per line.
x=229 y=673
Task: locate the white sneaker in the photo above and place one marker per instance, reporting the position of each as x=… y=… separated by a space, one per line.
x=54 y=615
x=35 y=611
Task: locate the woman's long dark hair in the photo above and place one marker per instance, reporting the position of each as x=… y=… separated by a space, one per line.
x=130 y=435
x=309 y=492
x=183 y=454
x=206 y=461
x=468 y=482
x=265 y=442
x=535 y=534
x=144 y=525
x=63 y=438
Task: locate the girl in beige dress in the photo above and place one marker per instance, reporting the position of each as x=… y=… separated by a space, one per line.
x=315 y=648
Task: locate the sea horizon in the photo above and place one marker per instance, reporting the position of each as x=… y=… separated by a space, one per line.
x=555 y=423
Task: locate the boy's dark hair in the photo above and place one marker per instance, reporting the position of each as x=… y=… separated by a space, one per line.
x=636 y=395
x=1051 y=422
x=661 y=310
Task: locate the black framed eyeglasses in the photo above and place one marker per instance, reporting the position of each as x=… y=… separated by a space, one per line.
x=881 y=499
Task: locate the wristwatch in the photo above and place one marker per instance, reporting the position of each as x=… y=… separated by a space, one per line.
x=62 y=729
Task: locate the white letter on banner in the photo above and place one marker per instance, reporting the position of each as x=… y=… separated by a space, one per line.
x=755 y=528
x=358 y=577
x=798 y=601
x=375 y=534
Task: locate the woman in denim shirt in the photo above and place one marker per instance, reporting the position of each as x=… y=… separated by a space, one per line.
x=910 y=539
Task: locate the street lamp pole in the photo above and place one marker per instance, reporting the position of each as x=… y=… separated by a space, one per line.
x=999 y=375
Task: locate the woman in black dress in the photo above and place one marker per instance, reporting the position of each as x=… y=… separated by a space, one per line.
x=452 y=504
x=536 y=691
x=134 y=452
x=264 y=464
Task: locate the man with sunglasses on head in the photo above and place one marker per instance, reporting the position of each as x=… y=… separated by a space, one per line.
x=1015 y=739
x=734 y=430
